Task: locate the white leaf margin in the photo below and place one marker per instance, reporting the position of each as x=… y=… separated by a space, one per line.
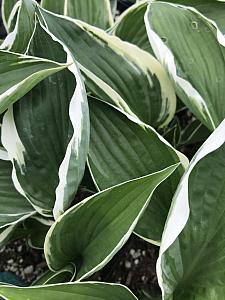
x=181 y=157
x=12 y=143
x=4 y=156
x=180 y=209
x=124 y=239
x=137 y=57
x=71 y=283
x=167 y=59
x=76 y=108
x=106 y=4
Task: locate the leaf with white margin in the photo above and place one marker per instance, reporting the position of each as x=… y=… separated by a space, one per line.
x=37 y=228
x=50 y=130
x=212 y=9
x=20 y=73
x=69 y=291
x=13 y=17
x=54 y=6
x=130 y=26
x=94 y=12
x=7 y=234
x=6 y=8
x=191 y=261
x=189 y=57
x=113 y=4
x=122 y=149
x=13 y=206
x=18 y=39
x=142 y=84
x=90 y=233
x=49 y=277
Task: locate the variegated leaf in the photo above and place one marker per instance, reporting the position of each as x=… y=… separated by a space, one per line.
x=50 y=126
x=141 y=87
x=191 y=260
x=189 y=45
x=78 y=291
x=123 y=148
x=89 y=234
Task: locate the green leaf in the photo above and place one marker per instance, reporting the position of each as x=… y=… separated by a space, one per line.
x=50 y=129
x=191 y=261
x=18 y=39
x=113 y=4
x=54 y=6
x=94 y=12
x=7 y=234
x=7 y=6
x=89 y=234
x=13 y=17
x=20 y=73
x=212 y=9
x=194 y=133
x=78 y=291
x=13 y=206
x=37 y=229
x=130 y=26
x=180 y=37
x=101 y=56
x=49 y=277
x=122 y=149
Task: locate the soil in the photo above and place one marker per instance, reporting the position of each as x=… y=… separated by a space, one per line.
x=133 y=265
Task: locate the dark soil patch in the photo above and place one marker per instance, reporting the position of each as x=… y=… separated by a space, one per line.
x=133 y=265
x=18 y=258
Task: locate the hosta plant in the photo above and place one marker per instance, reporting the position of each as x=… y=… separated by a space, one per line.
x=92 y=102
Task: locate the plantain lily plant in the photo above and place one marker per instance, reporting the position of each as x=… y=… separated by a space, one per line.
x=87 y=101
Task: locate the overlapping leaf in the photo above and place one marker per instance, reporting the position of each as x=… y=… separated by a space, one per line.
x=7 y=234
x=78 y=291
x=191 y=263
x=37 y=228
x=13 y=206
x=89 y=234
x=94 y=12
x=6 y=9
x=54 y=6
x=20 y=73
x=91 y=11
x=212 y=9
x=50 y=129
x=49 y=277
x=140 y=87
x=122 y=149
x=130 y=25
x=191 y=48
x=18 y=39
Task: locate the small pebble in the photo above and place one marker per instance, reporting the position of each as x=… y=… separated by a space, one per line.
x=127 y=264
x=10 y=261
x=19 y=248
x=28 y=270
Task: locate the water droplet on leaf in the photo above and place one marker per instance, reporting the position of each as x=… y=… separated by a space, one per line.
x=194 y=25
